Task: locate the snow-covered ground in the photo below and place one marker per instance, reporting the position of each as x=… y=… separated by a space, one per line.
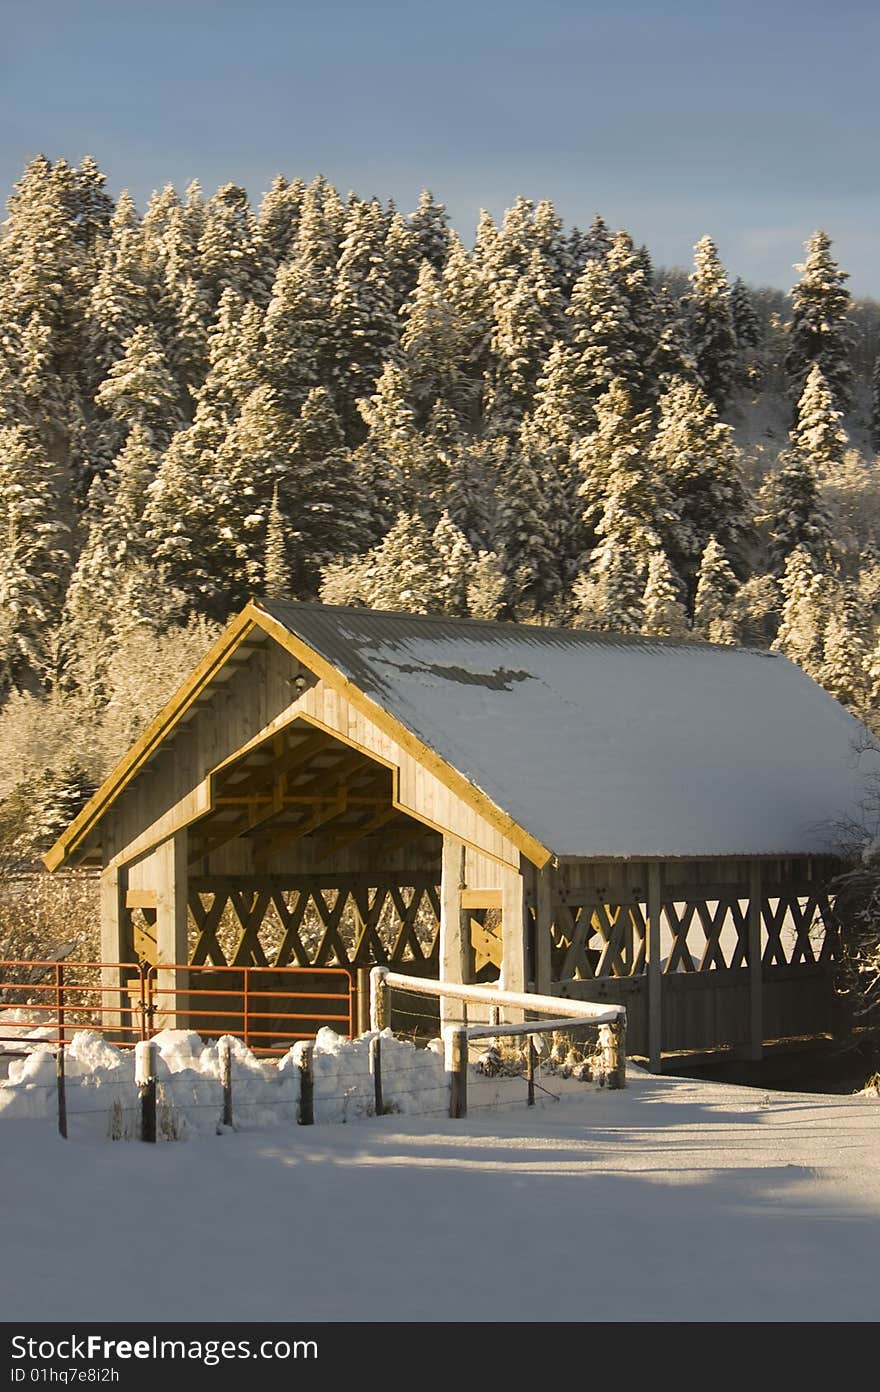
x=674 y=1200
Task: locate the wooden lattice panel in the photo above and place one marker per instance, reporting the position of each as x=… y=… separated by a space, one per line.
x=315 y=921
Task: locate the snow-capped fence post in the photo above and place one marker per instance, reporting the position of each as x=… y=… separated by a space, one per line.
x=306 y=1086
x=225 y=1051
x=376 y=1070
x=62 y=1094
x=612 y=1042
x=145 y=1078
x=380 y=999
x=456 y=1040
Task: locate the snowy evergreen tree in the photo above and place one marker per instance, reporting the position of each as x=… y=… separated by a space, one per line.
x=139 y=388
x=433 y=348
x=846 y=651
x=746 y=327
x=361 y=310
x=610 y=596
x=122 y=299
x=603 y=343
x=525 y=532
x=664 y=614
x=456 y=563
x=817 y=433
x=528 y=317
x=875 y=405
x=34 y=554
x=232 y=255
x=404 y=569
x=711 y=320
x=792 y=513
x=397 y=470
x=299 y=346
x=818 y=331
x=323 y=501
x=430 y=227
x=278 y=219
x=276 y=572
x=487 y=587
x=671 y=355
x=694 y=454
x=615 y=459
x=716 y=587
x=235 y=362
x=808 y=597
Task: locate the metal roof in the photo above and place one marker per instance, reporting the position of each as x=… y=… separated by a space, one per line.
x=604 y=745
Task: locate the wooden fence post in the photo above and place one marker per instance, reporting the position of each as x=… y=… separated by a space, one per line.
x=306 y=1087
x=363 y=1000
x=62 y=1095
x=612 y=1039
x=380 y=999
x=376 y=1070
x=145 y=1077
x=530 y=1069
x=456 y=1066
x=225 y=1050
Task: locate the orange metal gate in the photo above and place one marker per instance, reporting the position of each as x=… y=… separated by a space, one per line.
x=270 y=1008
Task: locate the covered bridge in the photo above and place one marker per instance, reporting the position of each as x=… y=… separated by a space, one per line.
x=609 y=818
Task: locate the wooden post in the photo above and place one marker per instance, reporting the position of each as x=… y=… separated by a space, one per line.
x=543 y=919
x=530 y=1069
x=455 y=1037
x=62 y=1095
x=225 y=1052
x=454 y=937
x=363 y=1000
x=306 y=1087
x=612 y=1041
x=145 y=1077
x=172 y=929
x=756 y=968
x=115 y=944
x=513 y=937
x=376 y=1070
x=380 y=999
x=655 y=979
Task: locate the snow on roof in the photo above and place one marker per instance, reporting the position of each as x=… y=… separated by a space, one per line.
x=606 y=746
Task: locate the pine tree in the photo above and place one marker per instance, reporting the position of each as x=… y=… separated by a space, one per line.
x=631 y=274
x=456 y=564
x=34 y=554
x=818 y=330
x=430 y=227
x=615 y=459
x=525 y=532
x=610 y=595
x=235 y=362
x=487 y=587
x=808 y=595
x=694 y=454
x=817 y=433
x=528 y=317
x=792 y=512
x=322 y=499
x=716 y=587
x=433 y=347
x=231 y=253
x=470 y=491
x=397 y=470
x=846 y=644
x=875 y=404
x=362 y=314
x=276 y=572
x=139 y=388
x=711 y=319
x=299 y=345
x=278 y=220
x=671 y=355
x=91 y=205
x=180 y=522
x=404 y=571
x=745 y=320
x=664 y=613
x=603 y=343
x=122 y=299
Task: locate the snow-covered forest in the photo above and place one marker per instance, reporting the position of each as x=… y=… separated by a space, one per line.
x=320 y=396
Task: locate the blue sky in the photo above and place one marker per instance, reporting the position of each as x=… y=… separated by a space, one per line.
x=753 y=122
